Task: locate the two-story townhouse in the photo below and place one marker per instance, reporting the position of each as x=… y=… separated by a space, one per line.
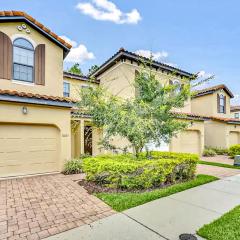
x=35 y=129
x=117 y=74
x=221 y=130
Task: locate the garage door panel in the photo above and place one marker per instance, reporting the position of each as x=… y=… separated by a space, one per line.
x=28 y=149
x=187 y=141
x=233 y=138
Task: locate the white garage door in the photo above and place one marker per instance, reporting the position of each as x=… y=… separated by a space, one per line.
x=28 y=149
x=233 y=138
x=188 y=142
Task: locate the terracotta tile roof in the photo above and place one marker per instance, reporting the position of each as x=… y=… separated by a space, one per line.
x=213 y=89
x=36 y=96
x=205 y=117
x=235 y=108
x=122 y=53
x=79 y=77
x=34 y=22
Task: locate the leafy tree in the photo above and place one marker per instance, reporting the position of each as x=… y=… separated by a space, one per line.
x=148 y=117
x=93 y=69
x=75 y=69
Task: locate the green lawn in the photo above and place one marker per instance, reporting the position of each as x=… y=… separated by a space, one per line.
x=224 y=228
x=123 y=201
x=219 y=164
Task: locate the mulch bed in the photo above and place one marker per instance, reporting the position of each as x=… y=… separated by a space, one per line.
x=92 y=187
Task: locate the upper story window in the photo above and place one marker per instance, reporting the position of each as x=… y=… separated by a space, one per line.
x=221 y=103
x=23 y=60
x=66 y=89
x=236 y=115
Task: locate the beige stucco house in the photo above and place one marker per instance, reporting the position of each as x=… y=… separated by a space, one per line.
x=117 y=74
x=40 y=127
x=35 y=120
x=221 y=129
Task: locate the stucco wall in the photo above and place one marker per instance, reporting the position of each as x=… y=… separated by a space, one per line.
x=76 y=85
x=53 y=62
x=207 y=105
x=217 y=134
x=119 y=80
x=41 y=115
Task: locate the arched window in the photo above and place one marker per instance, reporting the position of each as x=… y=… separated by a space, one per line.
x=177 y=85
x=222 y=103
x=23 y=60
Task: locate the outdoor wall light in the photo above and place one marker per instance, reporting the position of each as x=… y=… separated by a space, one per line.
x=24 y=110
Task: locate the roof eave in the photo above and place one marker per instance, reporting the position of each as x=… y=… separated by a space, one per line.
x=137 y=58
x=66 y=50
x=17 y=99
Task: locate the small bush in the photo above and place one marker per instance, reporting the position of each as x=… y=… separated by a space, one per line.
x=234 y=150
x=218 y=151
x=126 y=172
x=73 y=166
x=209 y=152
x=221 y=151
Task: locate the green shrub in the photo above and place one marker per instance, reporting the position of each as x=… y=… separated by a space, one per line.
x=73 y=166
x=234 y=150
x=221 y=151
x=218 y=151
x=208 y=152
x=126 y=172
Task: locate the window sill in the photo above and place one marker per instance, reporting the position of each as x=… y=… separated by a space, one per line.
x=23 y=83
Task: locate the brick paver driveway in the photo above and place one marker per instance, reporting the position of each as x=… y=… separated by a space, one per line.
x=38 y=207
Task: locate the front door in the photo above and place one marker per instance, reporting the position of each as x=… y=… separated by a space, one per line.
x=88 y=140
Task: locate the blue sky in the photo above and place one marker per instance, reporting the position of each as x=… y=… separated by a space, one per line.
x=195 y=35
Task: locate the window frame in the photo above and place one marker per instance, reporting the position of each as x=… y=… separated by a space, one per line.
x=222 y=107
x=21 y=64
x=68 y=94
x=236 y=113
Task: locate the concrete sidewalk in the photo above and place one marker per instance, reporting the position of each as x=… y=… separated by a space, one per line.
x=166 y=218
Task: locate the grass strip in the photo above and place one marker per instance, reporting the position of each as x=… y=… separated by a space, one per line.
x=123 y=201
x=224 y=228
x=219 y=164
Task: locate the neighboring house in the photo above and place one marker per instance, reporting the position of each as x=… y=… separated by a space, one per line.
x=35 y=119
x=221 y=130
x=235 y=112
x=117 y=74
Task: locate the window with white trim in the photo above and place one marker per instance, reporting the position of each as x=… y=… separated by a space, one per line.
x=66 y=89
x=23 y=60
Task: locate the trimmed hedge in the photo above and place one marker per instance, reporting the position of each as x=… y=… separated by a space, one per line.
x=234 y=150
x=126 y=172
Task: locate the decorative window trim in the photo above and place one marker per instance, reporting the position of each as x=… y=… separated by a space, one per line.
x=16 y=36
x=23 y=83
x=21 y=64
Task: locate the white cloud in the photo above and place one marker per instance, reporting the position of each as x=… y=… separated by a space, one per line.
x=203 y=74
x=105 y=10
x=155 y=55
x=79 y=53
x=68 y=40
